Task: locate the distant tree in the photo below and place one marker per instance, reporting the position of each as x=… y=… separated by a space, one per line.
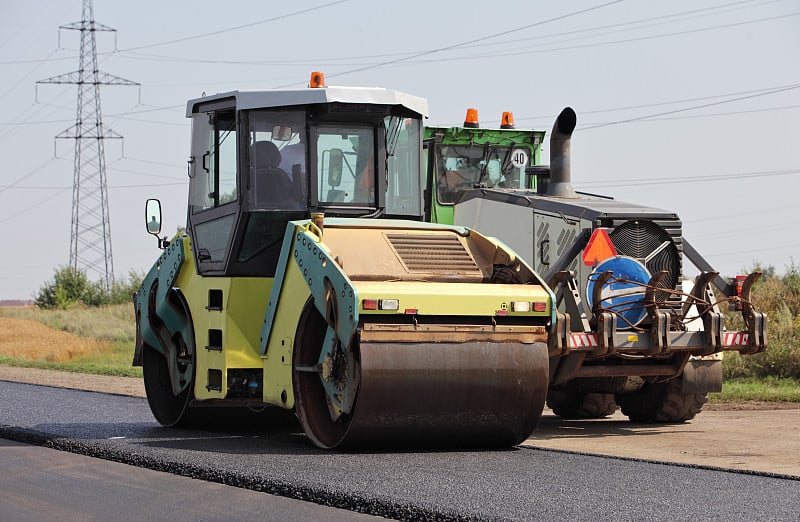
x=68 y=287
x=71 y=287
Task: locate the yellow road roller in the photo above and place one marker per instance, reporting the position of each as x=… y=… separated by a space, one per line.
x=306 y=280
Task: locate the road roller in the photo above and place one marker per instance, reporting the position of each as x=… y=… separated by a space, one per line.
x=306 y=280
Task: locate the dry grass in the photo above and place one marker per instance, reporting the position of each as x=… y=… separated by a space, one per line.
x=31 y=340
x=108 y=323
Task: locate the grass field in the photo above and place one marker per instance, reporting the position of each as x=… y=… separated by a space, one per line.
x=101 y=341
x=87 y=340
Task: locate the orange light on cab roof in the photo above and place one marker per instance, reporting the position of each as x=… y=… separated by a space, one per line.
x=507 y=121
x=317 y=80
x=471 y=120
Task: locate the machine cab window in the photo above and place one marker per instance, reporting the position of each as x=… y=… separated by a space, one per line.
x=277 y=160
x=346 y=166
x=213 y=189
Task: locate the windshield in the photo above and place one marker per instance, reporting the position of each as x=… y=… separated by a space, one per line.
x=462 y=167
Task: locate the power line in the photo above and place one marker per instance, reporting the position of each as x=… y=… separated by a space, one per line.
x=300 y=62
x=644 y=20
x=610 y=42
x=717 y=114
x=691 y=179
x=669 y=102
x=472 y=41
x=221 y=31
x=28 y=208
x=694 y=107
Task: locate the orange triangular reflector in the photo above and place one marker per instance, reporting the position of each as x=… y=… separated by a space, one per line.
x=599 y=248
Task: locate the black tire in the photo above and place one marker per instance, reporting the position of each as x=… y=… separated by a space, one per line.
x=168 y=409
x=581 y=405
x=661 y=403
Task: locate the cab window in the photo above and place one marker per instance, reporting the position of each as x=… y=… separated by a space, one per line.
x=346 y=167
x=213 y=167
x=403 y=194
x=277 y=160
x=213 y=187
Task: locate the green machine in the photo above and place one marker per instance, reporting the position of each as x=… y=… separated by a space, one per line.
x=630 y=330
x=462 y=158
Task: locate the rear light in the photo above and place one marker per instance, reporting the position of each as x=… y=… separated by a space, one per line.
x=526 y=306
x=520 y=306
x=389 y=304
x=739 y=284
x=380 y=304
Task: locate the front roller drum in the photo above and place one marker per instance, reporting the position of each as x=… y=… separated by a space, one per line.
x=449 y=394
x=475 y=394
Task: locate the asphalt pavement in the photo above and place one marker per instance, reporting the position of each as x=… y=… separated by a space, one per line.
x=515 y=484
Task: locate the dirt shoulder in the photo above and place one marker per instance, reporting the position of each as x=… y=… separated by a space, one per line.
x=755 y=436
x=79 y=381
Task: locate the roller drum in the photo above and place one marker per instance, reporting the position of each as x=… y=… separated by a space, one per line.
x=471 y=394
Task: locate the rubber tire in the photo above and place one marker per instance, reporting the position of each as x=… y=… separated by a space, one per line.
x=581 y=405
x=168 y=409
x=661 y=403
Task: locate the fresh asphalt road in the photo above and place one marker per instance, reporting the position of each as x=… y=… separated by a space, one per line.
x=520 y=483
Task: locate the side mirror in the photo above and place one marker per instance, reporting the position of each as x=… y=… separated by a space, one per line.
x=335 y=162
x=152 y=216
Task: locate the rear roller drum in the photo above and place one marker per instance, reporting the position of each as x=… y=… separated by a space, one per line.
x=325 y=379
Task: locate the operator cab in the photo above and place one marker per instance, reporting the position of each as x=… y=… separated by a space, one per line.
x=460 y=159
x=261 y=159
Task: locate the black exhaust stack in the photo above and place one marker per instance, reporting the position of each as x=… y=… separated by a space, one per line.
x=560 y=183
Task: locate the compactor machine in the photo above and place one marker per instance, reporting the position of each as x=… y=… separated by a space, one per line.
x=306 y=279
x=627 y=331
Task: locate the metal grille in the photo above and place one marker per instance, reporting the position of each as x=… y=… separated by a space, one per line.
x=640 y=239
x=432 y=253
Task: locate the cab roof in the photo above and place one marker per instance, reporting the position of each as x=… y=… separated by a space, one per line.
x=322 y=95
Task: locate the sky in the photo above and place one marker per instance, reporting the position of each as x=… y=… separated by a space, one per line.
x=690 y=106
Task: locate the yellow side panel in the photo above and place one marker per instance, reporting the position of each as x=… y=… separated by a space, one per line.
x=278 y=389
x=438 y=298
x=244 y=303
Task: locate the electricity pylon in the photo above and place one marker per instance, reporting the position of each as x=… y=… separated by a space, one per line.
x=90 y=238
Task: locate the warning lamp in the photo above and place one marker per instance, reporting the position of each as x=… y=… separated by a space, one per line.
x=317 y=80
x=471 y=120
x=507 y=121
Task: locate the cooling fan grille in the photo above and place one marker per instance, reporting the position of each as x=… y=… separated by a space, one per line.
x=640 y=239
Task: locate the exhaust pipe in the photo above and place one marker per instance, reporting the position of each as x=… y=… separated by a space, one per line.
x=560 y=183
